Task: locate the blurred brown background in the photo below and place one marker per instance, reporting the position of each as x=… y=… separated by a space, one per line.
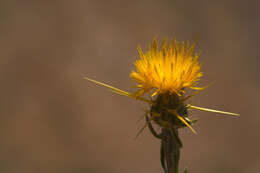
x=53 y=121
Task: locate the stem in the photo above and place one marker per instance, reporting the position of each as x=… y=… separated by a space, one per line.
x=171 y=145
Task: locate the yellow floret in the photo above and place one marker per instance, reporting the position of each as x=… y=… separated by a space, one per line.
x=169 y=69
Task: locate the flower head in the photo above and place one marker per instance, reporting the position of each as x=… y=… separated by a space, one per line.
x=169 y=69
x=167 y=72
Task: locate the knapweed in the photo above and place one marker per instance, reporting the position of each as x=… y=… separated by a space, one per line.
x=162 y=77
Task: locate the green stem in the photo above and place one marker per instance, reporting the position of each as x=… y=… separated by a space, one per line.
x=171 y=145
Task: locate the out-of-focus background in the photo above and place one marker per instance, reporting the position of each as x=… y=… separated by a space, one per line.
x=53 y=121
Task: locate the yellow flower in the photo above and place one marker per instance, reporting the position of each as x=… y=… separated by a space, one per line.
x=169 y=69
x=166 y=72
